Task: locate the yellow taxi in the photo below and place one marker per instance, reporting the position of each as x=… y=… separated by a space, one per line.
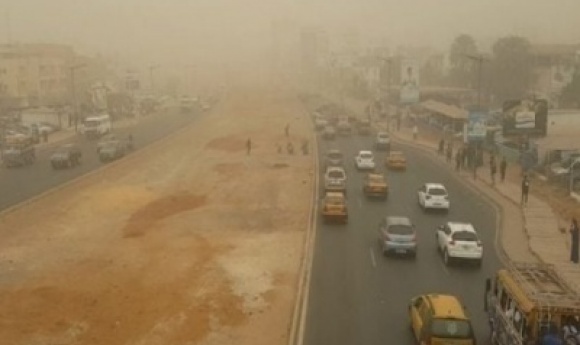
x=396 y=160
x=438 y=319
x=334 y=208
x=375 y=185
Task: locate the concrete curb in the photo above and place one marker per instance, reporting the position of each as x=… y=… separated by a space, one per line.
x=129 y=158
x=297 y=326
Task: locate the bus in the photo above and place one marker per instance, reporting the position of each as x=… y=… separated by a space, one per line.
x=96 y=126
x=526 y=301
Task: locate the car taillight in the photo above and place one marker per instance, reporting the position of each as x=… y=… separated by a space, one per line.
x=451 y=243
x=427 y=197
x=447 y=197
x=479 y=244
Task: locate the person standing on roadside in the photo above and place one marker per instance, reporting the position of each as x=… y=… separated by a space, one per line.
x=502 y=168
x=248 y=146
x=449 y=155
x=441 y=146
x=458 y=159
x=525 y=190
x=492 y=170
x=575 y=233
x=415 y=132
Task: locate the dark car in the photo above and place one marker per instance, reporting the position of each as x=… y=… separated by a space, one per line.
x=66 y=156
x=112 y=150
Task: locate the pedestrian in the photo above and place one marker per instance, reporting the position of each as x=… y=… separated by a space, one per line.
x=575 y=233
x=525 y=190
x=287 y=130
x=502 y=168
x=464 y=158
x=458 y=160
x=415 y=132
x=248 y=146
x=441 y=145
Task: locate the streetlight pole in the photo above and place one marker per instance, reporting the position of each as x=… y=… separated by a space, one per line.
x=73 y=89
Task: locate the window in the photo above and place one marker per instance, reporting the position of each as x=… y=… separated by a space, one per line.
x=400 y=230
x=336 y=174
x=466 y=236
x=451 y=328
x=437 y=191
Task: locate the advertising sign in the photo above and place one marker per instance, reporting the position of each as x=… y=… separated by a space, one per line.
x=525 y=117
x=476 y=127
x=409 y=81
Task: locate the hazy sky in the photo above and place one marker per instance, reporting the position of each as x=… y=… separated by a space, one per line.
x=162 y=30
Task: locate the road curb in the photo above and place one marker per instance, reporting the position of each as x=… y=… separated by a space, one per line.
x=296 y=330
x=131 y=157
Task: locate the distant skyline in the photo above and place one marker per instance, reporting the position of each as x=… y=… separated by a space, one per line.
x=235 y=30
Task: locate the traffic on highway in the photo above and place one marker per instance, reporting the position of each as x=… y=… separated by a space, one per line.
x=429 y=234
x=57 y=163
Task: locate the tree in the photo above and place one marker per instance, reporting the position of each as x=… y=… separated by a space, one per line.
x=462 y=71
x=512 y=68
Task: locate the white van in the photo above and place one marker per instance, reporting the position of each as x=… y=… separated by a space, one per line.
x=96 y=126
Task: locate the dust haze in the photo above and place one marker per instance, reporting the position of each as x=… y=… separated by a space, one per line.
x=221 y=34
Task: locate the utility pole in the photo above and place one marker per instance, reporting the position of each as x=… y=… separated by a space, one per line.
x=73 y=89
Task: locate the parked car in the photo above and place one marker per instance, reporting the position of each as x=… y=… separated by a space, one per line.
x=66 y=156
x=397 y=235
x=459 y=241
x=433 y=196
x=364 y=160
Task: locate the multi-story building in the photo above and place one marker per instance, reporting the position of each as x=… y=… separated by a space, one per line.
x=35 y=74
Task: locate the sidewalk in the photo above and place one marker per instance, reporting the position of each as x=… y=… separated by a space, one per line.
x=529 y=234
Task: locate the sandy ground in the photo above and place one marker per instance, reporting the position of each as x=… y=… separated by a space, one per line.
x=187 y=242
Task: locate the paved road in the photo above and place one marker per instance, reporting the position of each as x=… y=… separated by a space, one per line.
x=357 y=296
x=20 y=184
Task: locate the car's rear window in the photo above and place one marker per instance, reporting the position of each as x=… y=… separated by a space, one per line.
x=464 y=236
x=384 y=136
x=366 y=155
x=335 y=174
x=400 y=230
x=335 y=155
x=451 y=328
x=437 y=191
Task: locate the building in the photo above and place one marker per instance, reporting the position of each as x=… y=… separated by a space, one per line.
x=554 y=65
x=34 y=74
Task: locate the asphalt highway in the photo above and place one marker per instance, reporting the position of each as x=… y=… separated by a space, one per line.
x=359 y=297
x=21 y=183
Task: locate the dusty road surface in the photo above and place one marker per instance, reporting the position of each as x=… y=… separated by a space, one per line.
x=191 y=241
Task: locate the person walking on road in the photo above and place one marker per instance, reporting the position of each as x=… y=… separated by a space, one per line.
x=287 y=130
x=248 y=146
x=575 y=233
x=525 y=190
x=502 y=168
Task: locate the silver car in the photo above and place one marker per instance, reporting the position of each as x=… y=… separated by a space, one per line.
x=335 y=179
x=397 y=235
x=333 y=158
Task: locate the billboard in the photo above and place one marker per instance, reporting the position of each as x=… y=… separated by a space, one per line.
x=409 y=81
x=525 y=117
x=476 y=127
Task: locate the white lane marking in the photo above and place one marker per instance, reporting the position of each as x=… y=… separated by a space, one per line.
x=373 y=260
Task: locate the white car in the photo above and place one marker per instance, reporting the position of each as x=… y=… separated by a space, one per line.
x=365 y=160
x=459 y=241
x=335 y=179
x=433 y=196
